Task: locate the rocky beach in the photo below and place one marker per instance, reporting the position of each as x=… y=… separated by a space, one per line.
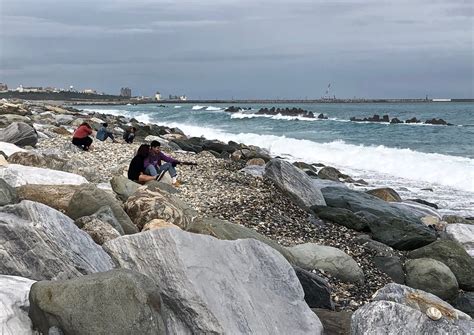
x=248 y=244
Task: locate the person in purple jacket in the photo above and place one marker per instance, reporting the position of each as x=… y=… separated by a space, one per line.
x=153 y=163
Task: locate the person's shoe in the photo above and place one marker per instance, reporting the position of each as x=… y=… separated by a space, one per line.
x=177 y=183
x=160 y=175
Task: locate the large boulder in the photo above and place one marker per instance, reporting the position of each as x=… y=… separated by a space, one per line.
x=225 y=230
x=341 y=216
x=8 y=194
x=153 y=202
x=431 y=276
x=294 y=182
x=17 y=175
x=55 y=196
x=398 y=227
x=19 y=133
x=213 y=286
x=334 y=323
x=88 y=199
x=114 y=302
x=9 y=148
x=124 y=187
x=454 y=256
x=386 y=194
x=14 y=304
x=465 y=302
x=336 y=262
x=463 y=234
x=317 y=292
x=39 y=242
x=98 y=230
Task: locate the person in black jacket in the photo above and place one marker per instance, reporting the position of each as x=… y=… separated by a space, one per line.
x=136 y=169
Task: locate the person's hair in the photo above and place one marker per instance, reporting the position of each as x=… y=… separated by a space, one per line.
x=155 y=144
x=143 y=150
x=134 y=129
x=105 y=124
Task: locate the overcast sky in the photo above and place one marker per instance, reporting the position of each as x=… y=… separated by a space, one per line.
x=242 y=48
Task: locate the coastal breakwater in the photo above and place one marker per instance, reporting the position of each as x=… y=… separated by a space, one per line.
x=270 y=220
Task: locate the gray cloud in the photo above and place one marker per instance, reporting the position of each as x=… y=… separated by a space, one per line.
x=244 y=49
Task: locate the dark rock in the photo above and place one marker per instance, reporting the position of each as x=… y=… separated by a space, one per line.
x=413 y=120
x=322 y=117
x=424 y=202
x=436 y=121
x=385 y=193
x=233 y=109
x=334 y=323
x=395 y=121
x=317 y=292
x=454 y=256
x=465 y=302
x=398 y=227
x=114 y=302
x=330 y=173
x=20 y=134
x=341 y=216
x=217 y=146
x=392 y=266
x=8 y=194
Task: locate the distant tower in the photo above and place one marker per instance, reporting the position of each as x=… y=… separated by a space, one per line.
x=326 y=94
x=158 y=96
x=126 y=92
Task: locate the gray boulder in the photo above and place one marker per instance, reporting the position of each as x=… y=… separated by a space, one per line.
x=465 y=302
x=463 y=234
x=124 y=187
x=391 y=318
x=39 y=242
x=14 y=318
x=18 y=175
x=341 y=216
x=55 y=196
x=398 y=227
x=294 y=182
x=431 y=276
x=104 y=214
x=8 y=194
x=317 y=292
x=334 y=323
x=336 y=262
x=454 y=256
x=114 y=302
x=20 y=134
x=213 y=286
x=88 y=199
x=225 y=230
x=98 y=230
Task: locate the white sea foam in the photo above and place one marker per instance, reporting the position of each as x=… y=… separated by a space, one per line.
x=178 y=106
x=240 y=115
x=140 y=116
x=197 y=107
x=212 y=108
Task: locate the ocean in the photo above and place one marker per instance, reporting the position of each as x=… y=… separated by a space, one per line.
x=429 y=162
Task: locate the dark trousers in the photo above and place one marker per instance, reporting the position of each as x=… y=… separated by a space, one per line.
x=83 y=143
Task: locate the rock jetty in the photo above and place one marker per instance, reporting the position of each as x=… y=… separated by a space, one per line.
x=386 y=118
x=248 y=244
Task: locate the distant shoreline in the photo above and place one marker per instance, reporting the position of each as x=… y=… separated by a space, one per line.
x=75 y=98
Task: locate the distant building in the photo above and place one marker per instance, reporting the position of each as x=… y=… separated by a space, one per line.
x=183 y=98
x=176 y=97
x=158 y=96
x=3 y=87
x=89 y=91
x=126 y=92
x=29 y=89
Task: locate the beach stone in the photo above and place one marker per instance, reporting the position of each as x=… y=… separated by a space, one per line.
x=8 y=194
x=341 y=216
x=391 y=318
x=379 y=248
x=336 y=262
x=334 y=323
x=329 y=173
x=158 y=224
x=7 y=119
x=397 y=227
x=213 y=286
x=88 y=199
x=20 y=134
x=454 y=256
x=225 y=230
x=294 y=183
x=124 y=187
x=386 y=194
x=418 y=299
x=392 y=266
x=18 y=175
x=9 y=148
x=38 y=242
x=98 y=230
x=152 y=202
x=55 y=196
x=417 y=208
x=465 y=302
x=14 y=301
x=28 y=158
x=463 y=234
x=431 y=276
x=317 y=292
x=254 y=170
x=256 y=161
x=322 y=183
x=114 y=302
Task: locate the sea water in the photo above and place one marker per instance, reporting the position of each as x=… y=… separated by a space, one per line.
x=430 y=162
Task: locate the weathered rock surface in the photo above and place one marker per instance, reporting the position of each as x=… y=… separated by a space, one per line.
x=8 y=194
x=17 y=175
x=14 y=304
x=152 y=202
x=463 y=234
x=213 y=286
x=88 y=199
x=386 y=194
x=397 y=227
x=19 y=133
x=454 y=256
x=98 y=230
x=124 y=187
x=311 y=256
x=431 y=276
x=39 y=242
x=341 y=216
x=392 y=266
x=317 y=292
x=465 y=302
x=225 y=230
x=9 y=148
x=334 y=323
x=294 y=182
x=55 y=196
x=158 y=224
x=114 y=302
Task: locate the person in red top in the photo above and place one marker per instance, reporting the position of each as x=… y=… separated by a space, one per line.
x=81 y=137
